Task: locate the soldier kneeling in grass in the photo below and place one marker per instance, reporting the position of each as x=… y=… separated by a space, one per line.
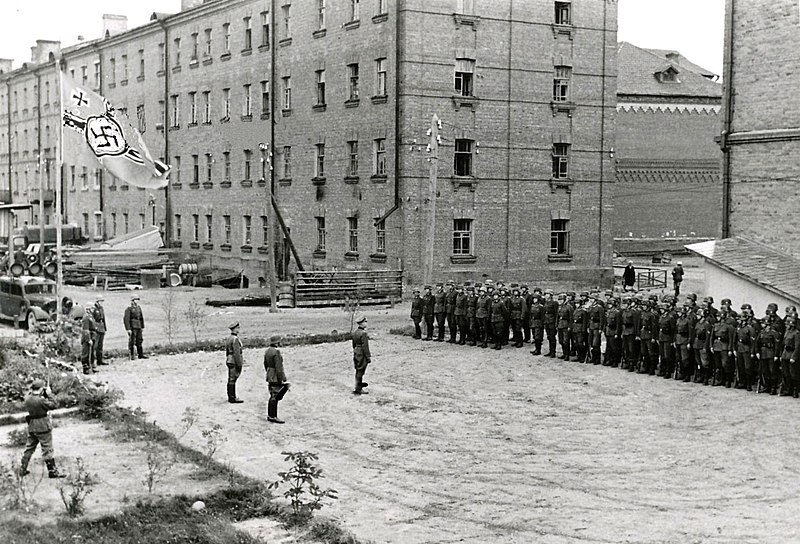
x=276 y=378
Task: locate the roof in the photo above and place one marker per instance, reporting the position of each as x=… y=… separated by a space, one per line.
x=637 y=68
x=758 y=263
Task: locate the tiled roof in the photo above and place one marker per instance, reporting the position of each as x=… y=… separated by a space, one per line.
x=775 y=271
x=637 y=68
x=680 y=60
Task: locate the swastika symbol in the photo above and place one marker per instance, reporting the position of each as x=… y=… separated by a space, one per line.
x=78 y=96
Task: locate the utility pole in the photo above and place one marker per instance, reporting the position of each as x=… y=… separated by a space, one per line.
x=40 y=170
x=433 y=150
x=266 y=160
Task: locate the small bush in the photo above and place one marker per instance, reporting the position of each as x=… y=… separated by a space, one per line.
x=17 y=373
x=96 y=401
x=303 y=491
x=159 y=460
x=17 y=438
x=406 y=330
x=214 y=439
x=17 y=491
x=188 y=420
x=76 y=487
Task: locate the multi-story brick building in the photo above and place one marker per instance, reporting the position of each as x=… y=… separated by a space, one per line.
x=668 y=182
x=329 y=103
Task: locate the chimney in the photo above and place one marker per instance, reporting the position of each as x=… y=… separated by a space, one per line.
x=190 y=4
x=40 y=53
x=114 y=24
x=5 y=65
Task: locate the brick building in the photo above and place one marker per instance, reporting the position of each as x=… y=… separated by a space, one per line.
x=667 y=119
x=329 y=102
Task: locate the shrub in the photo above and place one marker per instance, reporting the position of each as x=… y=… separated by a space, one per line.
x=18 y=371
x=77 y=485
x=303 y=491
x=159 y=460
x=18 y=491
x=96 y=401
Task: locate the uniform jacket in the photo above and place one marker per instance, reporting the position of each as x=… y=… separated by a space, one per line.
x=724 y=337
x=613 y=322
x=416 y=306
x=597 y=318
x=791 y=345
x=461 y=304
x=685 y=330
x=677 y=274
x=482 y=307
x=648 y=323
x=233 y=351
x=537 y=314
x=100 y=319
x=450 y=301
x=703 y=331
x=517 y=307
x=361 y=354
x=746 y=338
x=580 y=320
x=439 y=302
x=666 y=327
x=550 y=312
x=273 y=364
x=630 y=322
x=428 y=303
x=768 y=343
x=133 y=318
x=88 y=327
x=38 y=419
x=498 y=311
x=472 y=304
x=565 y=316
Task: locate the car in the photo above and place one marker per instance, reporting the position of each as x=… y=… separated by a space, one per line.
x=30 y=301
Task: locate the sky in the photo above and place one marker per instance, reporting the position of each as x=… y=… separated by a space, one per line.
x=693 y=27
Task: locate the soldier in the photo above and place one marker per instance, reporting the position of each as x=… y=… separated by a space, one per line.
x=564 y=325
x=648 y=340
x=536 y=324
x=428 y=306
x=703 y=331
x=630 y=338
x=505 y=297
x=460 y=315
x=580 y=328
x=677 y=277
x=790 y=357
x=526 y=317
x=745 y=346
x=361 y=354
x=613 y=333
x=517 y=310
x=440 y=311
x=767 y=349
x=276 y=378
x=450 y=311
x=99 y=315
x=416 y=314
x=597 y=322
x=498 y=317
x=472 y=308
x=133 y=320
x=88 y=333
x=722 y=346
x=550 y=321
x=482 y=318
x=713 y=313
x=667 y=323
x=234 y=362
x=40 y=428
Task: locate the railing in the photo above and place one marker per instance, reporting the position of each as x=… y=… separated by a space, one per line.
x=651 y=278
x=334 y=287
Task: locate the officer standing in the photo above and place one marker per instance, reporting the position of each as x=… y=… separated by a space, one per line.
x=472 y=307
x=580 y=327
x=564 y=325
x=550 y=321
x=40 y=428
x=767 y=349
x=703 y=330
x=613 y=333
x=416 y=314
x=648 y=341
x=536 y=312
x=745 y=345
x=100 y=328
x=526 y=317
x=361 y=354
x=790 y=357
x=450 y=311
x=628 y=277
x=276 y=378
x=498 y=317
x=677 y=277
x=234 y=362
x=428 y=306
x=440 y=311
x=460 y=315
x=630 y=331
x=482 y=321
x=517 y=310
x=88 y=332
x=133 y=319
x=722 y=347
x=597 y=322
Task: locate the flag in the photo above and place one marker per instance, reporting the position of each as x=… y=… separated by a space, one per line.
x=94 y=127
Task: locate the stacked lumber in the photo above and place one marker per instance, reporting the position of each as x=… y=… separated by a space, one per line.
x=335 y=287
x=113 y=269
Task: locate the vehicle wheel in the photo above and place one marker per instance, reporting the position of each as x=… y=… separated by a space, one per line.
x=32 y=322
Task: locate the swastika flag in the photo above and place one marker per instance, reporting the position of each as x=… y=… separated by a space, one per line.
x=92 y=126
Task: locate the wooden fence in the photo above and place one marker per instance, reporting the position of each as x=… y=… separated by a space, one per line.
x=334 y=287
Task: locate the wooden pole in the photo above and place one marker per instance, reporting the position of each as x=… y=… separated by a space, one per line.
x=432 y=182
x=266 y=160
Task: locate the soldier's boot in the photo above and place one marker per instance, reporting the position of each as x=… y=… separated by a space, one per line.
x=23 y=466
x=272 y=411
x=133 y=355
x=52 y=471
x=232 y=395
x=786 y=388
x=538 y=350
x=796 y=388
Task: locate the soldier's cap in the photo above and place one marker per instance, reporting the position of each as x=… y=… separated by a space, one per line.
x=275 y=339
x=428 y=287
x=482 y=289
x=38 y=385
x=746 y=306
x=459 y=287
x=524 y=286
x=537 y=289
x=361 y=319
x=515 y=291
x=439 y=285
x=725 y=301
x=692 y=297
x=548 y=291
x=100 y=298
x=450 y=282
x=233 y=325
x=470 y=288
x=415 y=290
x=571 y=293
x=709 y=299
x=514 y=285
x=772 y=306
x=489 y=282
x=584 y=293
x=135 y=297
x=467 y=283
x=679 y=263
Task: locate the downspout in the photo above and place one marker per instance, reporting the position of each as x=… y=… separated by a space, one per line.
x=10 y=168
x=101 y=203
x=272 y=121
x=397 y=144
x=727 y=122
x=602 y=139
x=508 y=135
x=165 y=121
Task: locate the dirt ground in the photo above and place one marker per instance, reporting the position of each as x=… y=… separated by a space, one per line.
x=458 y=444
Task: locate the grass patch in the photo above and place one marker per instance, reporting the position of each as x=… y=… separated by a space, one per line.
x=405 y=330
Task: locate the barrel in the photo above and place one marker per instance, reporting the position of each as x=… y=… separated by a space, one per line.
x=187 y=268
x=285 y=295
x=175 y=279
x=201 y=280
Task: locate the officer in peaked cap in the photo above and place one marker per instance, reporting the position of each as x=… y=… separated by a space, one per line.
x=416 y=313
x=428 y=306
x=234 y=361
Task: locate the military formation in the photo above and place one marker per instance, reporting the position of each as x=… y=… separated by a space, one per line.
x=689 y=340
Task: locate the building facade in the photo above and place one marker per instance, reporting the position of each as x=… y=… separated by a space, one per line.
x=329 y=104
x=668 y=163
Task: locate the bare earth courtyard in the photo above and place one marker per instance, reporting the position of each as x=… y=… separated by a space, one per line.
x=458 y=444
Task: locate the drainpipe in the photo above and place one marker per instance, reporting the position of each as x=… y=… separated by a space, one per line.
x=727 y=122
x=602 y=140
x=167 y=197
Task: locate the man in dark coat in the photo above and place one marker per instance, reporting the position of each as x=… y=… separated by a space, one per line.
x=234 y=362
x=40 y=429
x=450 y=312
x=276 y=378
x=550 y=320
x=460 y=314
x=88 y=333
x=629 y=277
x=133 y=319
x=361 y=354
x=428 y=306
x=416 y=314
x=677 y=277
x=440 y=311
x=100 y=329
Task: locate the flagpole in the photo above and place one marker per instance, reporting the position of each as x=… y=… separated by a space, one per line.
x=59 y=169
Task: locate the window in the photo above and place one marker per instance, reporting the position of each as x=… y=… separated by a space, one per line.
x=352 y=153
x=208 y=42
x=320 y=87
x=86 y=224
x=559 y=236
x=112 y=70
x=162 y=57
x=226 y=228
x=195 y=47
x=114 y=225
x=380 y=238
x=319 y=164
x=670 y=75
x=226 y=37
x=226 y=104
x=248 y=33
x=264 y=28
x=380 y=80
x=352 y=77
x=287 y=93
x=352 y=234
x=209 y=228
x=463 y=158
x=246 y=230
x=209 y=168
x=560 y=160
x=177 y=46
x=265 y=154
x=563 y=15
x=126 y=222
x=96 y=79
x=140 y=117
x=380 y=157
x=207 y=107
x=226 y=171
x=176 y=227
x=141 y=64
x=98 y=178
x=173 y=101
x=195 y=169
x=320 y=234
x=176 y=168
x=355 y=8
x=124 y=68
x=247 y=109
x=265 y=98
x=84 y=80
x=84 y=178
x=382 y=7
x=463 y=79
x=462 y=237
x=162 y=113
x=192 y=108
x=287 y=19
x=248 y=159
x=561 y=83
x=320 y=14
x=287 y=162
x=195 y=228
x=264 y=230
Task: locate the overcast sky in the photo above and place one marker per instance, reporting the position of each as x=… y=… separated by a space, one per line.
x=693 y=27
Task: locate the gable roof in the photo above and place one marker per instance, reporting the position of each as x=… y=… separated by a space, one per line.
x=758 y=263
x=636 y=69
